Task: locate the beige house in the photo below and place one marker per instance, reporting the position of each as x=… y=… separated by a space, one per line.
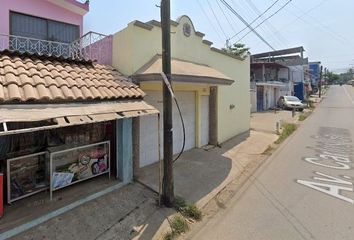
x=212 y=87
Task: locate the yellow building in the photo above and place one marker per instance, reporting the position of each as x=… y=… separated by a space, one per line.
x=212 y=87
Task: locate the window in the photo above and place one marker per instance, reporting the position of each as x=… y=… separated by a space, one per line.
x=40 y=28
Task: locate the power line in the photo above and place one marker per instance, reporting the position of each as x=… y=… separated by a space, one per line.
x=217 y=20
x=246 y=23
x=282 y=7
x=255 y=19
x=275 y=33
x=227 y=19
x=209 y=20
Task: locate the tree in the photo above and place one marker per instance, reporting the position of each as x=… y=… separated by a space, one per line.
x=332 y=77
x=237 y=49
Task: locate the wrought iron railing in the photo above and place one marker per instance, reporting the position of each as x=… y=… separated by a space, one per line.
x=34 y=46
x=91 y=46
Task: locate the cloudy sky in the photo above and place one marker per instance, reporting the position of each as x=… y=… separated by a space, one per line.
x=323 y=27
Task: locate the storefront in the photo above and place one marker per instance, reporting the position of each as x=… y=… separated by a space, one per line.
x=56 y=158
x=62 y=123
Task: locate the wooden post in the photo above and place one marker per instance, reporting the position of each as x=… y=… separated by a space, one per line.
x=167 y=182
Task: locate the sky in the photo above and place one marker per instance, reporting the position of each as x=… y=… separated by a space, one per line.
x=323 y=27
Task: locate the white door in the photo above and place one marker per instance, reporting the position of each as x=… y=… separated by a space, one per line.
x=149 y=130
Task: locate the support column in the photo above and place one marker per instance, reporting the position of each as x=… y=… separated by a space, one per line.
x=125 y=150
x=213 y=116
x=263 y=73
x=136 y=147
x=198 y=119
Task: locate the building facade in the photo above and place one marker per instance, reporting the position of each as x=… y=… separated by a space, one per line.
x=211 y=86
x=64 y=118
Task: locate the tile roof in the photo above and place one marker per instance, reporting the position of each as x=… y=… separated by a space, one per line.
x=31 y=78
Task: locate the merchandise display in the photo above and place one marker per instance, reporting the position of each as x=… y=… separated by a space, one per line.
x=26 y=175
x=73 y=165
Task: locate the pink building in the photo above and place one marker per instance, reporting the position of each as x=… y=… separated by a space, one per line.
x=51 y=27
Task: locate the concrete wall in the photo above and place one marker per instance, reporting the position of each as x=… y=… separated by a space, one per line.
x=134 y=46
x=37 y=8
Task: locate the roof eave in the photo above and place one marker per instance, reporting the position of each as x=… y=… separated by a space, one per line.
x=180 y=78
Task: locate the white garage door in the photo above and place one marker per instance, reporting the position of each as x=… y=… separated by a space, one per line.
x=148 y=126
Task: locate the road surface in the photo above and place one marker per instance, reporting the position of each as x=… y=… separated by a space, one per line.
x=305 y=189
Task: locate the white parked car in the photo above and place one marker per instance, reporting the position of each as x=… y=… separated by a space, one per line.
x=290 y=102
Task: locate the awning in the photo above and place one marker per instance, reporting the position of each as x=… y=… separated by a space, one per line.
x=23 y=118
x=182 y=71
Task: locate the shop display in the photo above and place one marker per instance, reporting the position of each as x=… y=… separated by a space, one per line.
x=73 y=165
x=26 y=175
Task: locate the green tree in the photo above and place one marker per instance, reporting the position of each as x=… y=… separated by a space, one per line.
x=237 y=49
x=332 y=77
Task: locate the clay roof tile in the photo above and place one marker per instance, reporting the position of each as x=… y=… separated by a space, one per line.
x=26 y=78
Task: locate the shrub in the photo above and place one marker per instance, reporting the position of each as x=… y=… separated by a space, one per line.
x=191 y=211
x=179 y=225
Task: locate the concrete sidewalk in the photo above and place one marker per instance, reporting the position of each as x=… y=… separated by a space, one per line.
x=267 y=121
x=132 y=212
x=200 y=174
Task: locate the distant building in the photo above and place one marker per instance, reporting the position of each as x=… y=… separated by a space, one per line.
x=315 y=70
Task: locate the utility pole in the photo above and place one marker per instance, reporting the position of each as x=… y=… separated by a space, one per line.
x=167 y=182
x=320 y=84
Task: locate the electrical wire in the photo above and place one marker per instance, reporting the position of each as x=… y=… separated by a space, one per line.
x=277 y=35
x=254 y=20
x=246 y=23
x=259 y=24
x=227 y=19
x=217 y=19
x=183 y=129
x=172 y=92
x=209 y=20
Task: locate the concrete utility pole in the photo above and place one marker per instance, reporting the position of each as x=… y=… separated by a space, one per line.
x=320 y=84
x=167 y=182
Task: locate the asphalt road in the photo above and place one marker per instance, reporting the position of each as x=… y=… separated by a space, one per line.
x=305 y=189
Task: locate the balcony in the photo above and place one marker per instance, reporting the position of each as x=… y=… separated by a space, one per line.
x=91 y=46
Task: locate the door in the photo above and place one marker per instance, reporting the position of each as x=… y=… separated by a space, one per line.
x=149 y=129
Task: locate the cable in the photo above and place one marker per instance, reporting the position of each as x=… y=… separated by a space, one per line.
x=255 y=19
x=217 y=20
x=227 y=19
x=211 y=23
x=277 y=35
x=246 y=23
x=266 y=19
x=183 y=129
x=170 y=88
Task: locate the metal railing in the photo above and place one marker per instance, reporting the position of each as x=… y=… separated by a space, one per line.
x=34 y=46
x=91 y=46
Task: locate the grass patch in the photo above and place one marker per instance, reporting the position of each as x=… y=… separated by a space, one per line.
x=191 y=211
x=179 y=225
x=288 y=129
x=302 y=117
x=187 y=210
